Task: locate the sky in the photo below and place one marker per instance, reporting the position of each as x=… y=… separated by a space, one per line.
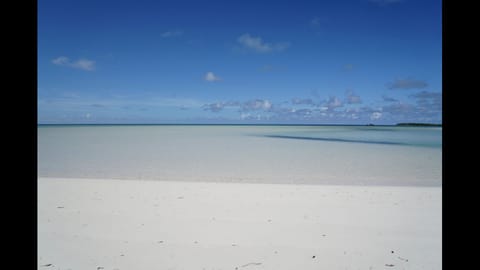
x=239 y=62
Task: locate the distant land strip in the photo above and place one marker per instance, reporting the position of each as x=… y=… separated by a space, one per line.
x=419 y=124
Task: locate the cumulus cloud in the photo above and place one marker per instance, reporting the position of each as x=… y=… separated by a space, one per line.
x=256 y=44
x=256 y=104
x=214 y=107
x=247 y=106
x=375 y=115
x=353 y=99
x=427 y=107
x=61 y=61
x=428 y=101
x=423 y=106
x=407 y=84
x=333 y=103
x=210 y=77
x=173 y=33
x=83 y=64
x=304 y=101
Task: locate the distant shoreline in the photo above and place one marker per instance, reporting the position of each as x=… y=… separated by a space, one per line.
x=204 y=124
x=418 y=125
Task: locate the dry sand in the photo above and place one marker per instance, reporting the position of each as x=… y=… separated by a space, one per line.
x=121 y=224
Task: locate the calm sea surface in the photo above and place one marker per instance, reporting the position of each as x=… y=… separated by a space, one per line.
x=356 y=155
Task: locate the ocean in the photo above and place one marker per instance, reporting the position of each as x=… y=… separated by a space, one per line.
x=333 y=155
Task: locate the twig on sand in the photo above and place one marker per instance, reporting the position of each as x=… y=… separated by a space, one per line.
x=248 y=264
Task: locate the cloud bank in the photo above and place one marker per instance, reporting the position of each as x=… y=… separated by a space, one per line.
x=421 y=107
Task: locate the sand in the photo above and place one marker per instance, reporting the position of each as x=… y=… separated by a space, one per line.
x=122 y=224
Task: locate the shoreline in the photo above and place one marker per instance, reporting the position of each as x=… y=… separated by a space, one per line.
x=91 y=223
x=328 y=183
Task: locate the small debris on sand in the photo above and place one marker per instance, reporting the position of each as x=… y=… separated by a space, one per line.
x=389 y=265
x=49 y=264
x=313 y=257
x=248 y=264
x=60 y=207
x=403 y=259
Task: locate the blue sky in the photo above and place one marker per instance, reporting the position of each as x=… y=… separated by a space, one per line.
x=305 y=62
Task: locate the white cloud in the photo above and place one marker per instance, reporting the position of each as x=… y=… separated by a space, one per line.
x=210 y=77
x=244 y=116
x=61 y=61
x=305 y=101
x=257 y=104
x=173 y=33
x=214 y=107
x=256 y=44
x=83 y=64
x=353 y=99
x=333 y=103
x=375 y=115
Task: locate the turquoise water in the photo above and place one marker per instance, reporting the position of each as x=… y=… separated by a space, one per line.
x=406 y=136
x=356 y=155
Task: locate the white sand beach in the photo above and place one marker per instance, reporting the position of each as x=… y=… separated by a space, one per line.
x=121 y=224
